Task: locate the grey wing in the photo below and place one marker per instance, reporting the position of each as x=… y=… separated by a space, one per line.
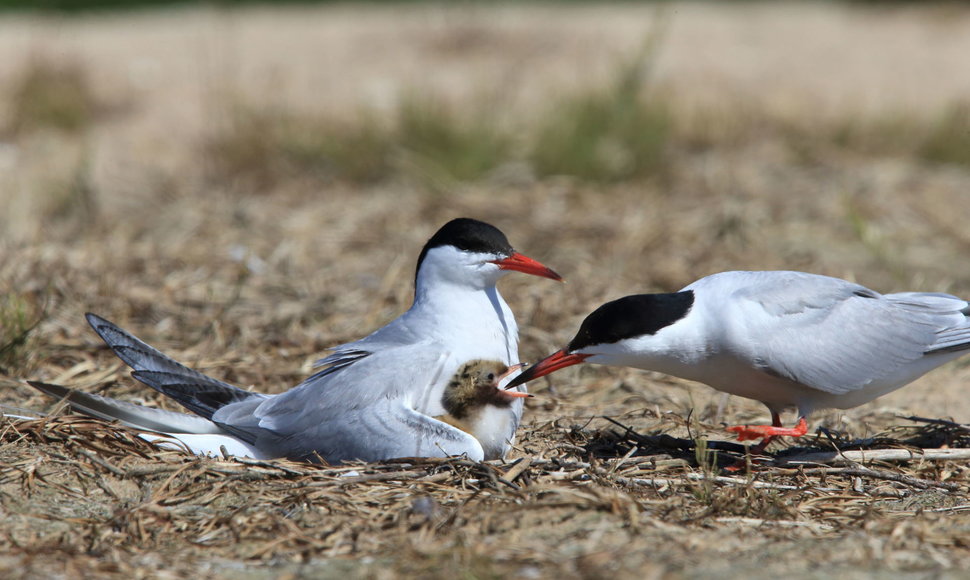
x=951 y=314
x=414 y=372
x=386 y=430
x=341 y=357
x=345 y=414
x=393 y=335
x=838 y=337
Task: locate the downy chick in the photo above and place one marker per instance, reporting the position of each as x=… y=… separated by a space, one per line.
x=473 y=393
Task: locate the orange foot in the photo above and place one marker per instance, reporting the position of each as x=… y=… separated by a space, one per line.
x=767 y=434
x=751 y=432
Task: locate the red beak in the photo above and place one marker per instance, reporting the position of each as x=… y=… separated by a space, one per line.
x=557 y=360
x=521 y=263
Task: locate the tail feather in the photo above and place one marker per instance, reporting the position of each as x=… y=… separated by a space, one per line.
x=19 y=413
x=129 y=414
x=201 y=396
x=193 y=390
x=173 y=430
x=953 y=339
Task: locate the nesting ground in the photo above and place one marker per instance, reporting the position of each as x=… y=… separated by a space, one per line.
x=780 y=154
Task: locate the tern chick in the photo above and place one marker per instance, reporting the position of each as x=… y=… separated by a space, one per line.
x=474 y=392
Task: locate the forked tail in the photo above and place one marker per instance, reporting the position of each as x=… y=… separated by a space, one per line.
x=129 y=414
x=193 y=390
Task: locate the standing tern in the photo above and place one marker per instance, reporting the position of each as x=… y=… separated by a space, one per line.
x=375 y=398
x=787 y=339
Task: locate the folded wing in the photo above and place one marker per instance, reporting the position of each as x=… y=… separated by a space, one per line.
x=837 y=337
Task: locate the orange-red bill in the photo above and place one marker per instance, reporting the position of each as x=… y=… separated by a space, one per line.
x=552 y=363
x=510 y=370
x=522 y=263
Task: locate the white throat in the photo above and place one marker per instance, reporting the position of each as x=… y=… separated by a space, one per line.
x=457 y=302
x=473 y=323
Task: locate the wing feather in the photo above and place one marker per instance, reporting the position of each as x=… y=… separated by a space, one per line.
x=383 y=409
x=837 y=336
x=386 y=429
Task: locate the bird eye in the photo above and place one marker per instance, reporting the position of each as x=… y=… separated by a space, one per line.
x=491 y=376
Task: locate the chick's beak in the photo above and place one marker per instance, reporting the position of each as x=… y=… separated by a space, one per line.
x=521 y=263
x=509 y=372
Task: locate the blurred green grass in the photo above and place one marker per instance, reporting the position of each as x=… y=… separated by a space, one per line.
x=599 y=135
x=424 y=139
x=19 y=316
x=52 y=95
x=623 y=130
x=605 y=134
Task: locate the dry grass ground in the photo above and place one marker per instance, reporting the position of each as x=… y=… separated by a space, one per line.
x=797 y=137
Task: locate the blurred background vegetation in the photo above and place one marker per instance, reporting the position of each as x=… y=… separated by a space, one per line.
x=68 y=6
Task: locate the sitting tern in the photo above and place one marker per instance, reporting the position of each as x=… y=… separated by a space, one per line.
x=472 y=394
x=375 y=398
x=787 y=339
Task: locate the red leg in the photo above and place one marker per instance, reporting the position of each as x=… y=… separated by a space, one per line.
x=767 y=433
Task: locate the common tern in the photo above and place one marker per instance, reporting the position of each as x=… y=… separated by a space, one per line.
x=375 y=398
x=787 y=339
x=468 y=399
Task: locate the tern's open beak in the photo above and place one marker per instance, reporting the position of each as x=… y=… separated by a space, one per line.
x=503 y=376
x=521 y=263
x=557 y=360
